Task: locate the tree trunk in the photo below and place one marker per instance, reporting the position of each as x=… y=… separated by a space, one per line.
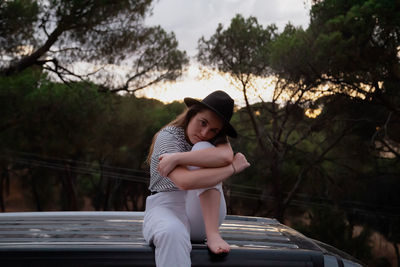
x=3 y=178
x=277 y=208
x=35 y=192
x=107 y=195
x=32 y=59
x=396 y=249
x=69 y=189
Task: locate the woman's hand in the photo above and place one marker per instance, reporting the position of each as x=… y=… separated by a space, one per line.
x=239 y=163
x=167 y=163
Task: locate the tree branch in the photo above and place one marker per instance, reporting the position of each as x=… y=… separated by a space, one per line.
x=33 y=58
x=304 y=171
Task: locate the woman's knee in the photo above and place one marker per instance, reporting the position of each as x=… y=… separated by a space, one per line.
x=199 y=146
x=202 y=145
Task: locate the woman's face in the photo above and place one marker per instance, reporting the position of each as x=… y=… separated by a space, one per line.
x=203 y=126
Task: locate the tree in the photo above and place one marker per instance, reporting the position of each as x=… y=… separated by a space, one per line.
x=60 y=35
x=45 y=121
x=244 y=50
x=119 y=146
x=352 y=48
x=71 y=143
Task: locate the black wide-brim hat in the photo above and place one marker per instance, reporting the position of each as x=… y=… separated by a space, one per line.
x=222 y=104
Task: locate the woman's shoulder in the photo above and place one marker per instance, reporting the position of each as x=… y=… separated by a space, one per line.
x=170 y=133
x=173 y=130
x=171 y=139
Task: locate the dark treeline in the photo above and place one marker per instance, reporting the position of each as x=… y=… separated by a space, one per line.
x=325 y=149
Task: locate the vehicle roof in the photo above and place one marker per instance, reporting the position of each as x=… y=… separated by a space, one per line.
x=253 y=240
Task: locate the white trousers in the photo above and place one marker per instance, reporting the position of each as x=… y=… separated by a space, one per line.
x=173 y=219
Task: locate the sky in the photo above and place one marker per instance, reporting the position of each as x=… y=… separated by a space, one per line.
x=192 y=19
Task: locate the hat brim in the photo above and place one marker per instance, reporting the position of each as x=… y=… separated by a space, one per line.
x=230 y=131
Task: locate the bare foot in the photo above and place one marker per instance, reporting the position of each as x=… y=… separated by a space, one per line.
x=217 y=245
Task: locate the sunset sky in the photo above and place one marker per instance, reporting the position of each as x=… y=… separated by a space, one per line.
x=190 y=20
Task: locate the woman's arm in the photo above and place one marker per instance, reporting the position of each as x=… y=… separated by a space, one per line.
x=202 y=178
x=212 y=157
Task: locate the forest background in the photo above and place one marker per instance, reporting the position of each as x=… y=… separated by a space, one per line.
x=324 y=150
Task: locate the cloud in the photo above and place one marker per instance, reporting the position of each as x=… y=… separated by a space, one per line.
x=190 y=20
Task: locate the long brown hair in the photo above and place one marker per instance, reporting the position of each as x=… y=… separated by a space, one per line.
x=182 y=120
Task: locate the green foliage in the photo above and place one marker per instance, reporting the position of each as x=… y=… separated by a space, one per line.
x=350 y=50
x=240 y=49
x=75 y=133
x=360 y=39
x=57 y=35
x=16 y=24
x=280 y=137
x=290 y=54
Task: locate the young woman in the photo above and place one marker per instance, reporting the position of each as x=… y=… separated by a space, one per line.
x=189 y=158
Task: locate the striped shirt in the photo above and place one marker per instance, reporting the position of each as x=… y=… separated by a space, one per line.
x=170 y=139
